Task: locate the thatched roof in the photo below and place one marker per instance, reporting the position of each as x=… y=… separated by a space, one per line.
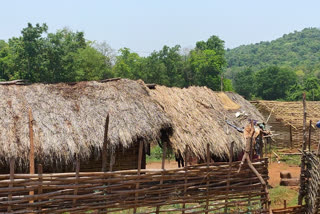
x=70 y=119
x=291 y=113
x=199 y=116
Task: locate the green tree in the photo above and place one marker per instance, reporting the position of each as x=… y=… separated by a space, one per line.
x=244 y=83
x=128 y=64
x=29 y=57
x=273 y=82
x=91 y=65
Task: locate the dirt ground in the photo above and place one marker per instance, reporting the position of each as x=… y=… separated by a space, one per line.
x=169 y=164
x=276 y=168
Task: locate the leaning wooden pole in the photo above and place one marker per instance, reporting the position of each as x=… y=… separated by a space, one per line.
x=31 y=153
x=302 y=171
x=104 y=152
x=246 y=157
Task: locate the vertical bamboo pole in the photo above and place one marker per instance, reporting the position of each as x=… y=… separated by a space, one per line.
x=104 y=152
x=40 y=171
x=302 y=171
x=31 y=153
x=261 y=145
x=139 y=171
x=75 y=192
x=185 y=177
x=309 y=140
x=207 y=177
x=291 y=143
x=164 y=148
x=229 y=174
x=11 y=182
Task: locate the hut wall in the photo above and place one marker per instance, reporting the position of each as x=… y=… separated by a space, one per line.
x=123 y=159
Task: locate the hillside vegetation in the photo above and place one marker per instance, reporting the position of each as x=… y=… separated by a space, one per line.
x=280 y=69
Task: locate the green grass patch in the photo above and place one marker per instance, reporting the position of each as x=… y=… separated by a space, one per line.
x=156 y=154
x=280 y=193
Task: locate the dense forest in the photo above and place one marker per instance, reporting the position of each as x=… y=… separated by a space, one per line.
x=278 y=70
x=66 y=56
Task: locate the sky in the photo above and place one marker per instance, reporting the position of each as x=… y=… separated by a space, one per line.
x=148 y=25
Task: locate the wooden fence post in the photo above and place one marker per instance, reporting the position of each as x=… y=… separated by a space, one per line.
x=302 y=171
x=229 y=174
x=138 y=171
x=75 y=192
x=40 y=171
x=207 y=177
x=309 y=142
x=12 y=161
x=185 y=177
x=164 y=152
x=31 y=153
x=104 y=152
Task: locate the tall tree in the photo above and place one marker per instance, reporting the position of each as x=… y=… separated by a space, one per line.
x=273 y=82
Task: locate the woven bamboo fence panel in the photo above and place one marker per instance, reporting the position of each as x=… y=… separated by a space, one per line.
x=311 y=182
x=213 y=188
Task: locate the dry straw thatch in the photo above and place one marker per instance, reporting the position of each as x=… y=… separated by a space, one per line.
x=69 y=119
x=199 y=114
x=291 y=113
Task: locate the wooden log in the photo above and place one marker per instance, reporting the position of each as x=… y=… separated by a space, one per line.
x=104 y=153
x=289 y=182
x=285 y=174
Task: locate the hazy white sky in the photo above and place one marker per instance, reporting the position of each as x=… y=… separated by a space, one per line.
x=147 y=25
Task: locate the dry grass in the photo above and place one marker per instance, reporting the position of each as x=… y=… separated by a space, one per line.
x=69 y=119
x=199 y=115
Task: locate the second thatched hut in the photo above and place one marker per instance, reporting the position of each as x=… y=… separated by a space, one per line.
x=199 y=116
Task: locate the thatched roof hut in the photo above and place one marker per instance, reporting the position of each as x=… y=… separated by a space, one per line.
x=69 y=118
x=286 y=114
x=199 y=117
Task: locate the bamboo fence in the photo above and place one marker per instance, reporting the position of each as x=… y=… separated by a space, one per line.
x=202 y=188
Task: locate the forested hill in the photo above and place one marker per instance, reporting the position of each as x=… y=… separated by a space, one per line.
x=297 y=50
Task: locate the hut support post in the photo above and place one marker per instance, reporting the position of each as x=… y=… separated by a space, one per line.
x=139 y=171
x=229 y=174
x=208 y=177
x=40 y=171
x=164 y=153
x=186 y=159
x=309 y=140
x=302 y=171
x=291 y=143
x=31 y=153
x=74 y=202
x=105 y=145
x=11 y=182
